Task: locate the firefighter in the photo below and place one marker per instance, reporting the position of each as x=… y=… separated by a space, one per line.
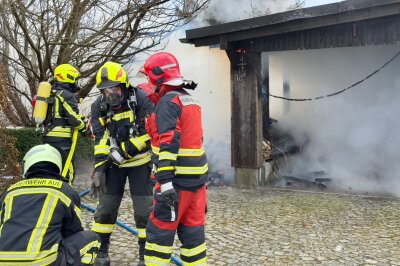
x=63 y=120
x=180 y=166
x=146 y=87
x=40 y=216
x=121 y=151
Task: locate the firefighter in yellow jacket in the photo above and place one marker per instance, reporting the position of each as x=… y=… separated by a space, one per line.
x=63 y=120
x=40 y=217
x=121 y=152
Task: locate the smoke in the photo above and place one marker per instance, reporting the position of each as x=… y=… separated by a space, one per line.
x=354 y=136
x=219 y=11
x=211 y=70
x=218 y=156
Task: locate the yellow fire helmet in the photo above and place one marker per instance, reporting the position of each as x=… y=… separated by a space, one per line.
x=110 y=75
x=42 y=153
x=66 y=73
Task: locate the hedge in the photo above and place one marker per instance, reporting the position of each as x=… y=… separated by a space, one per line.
x=9 y=164
x=26 y=138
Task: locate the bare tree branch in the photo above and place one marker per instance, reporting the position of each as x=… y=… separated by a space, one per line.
x=37 y=35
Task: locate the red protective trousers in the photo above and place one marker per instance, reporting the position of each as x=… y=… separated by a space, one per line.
x=189 y=224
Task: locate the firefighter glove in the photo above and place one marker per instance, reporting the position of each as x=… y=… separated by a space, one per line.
x=98 y=184
x=115 y=156
x=169 y=194
x=85 y=131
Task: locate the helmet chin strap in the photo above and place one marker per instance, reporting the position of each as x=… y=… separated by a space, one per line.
x=157 y=90
x=116 y=107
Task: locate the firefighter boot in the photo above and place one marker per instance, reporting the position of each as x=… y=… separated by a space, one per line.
x=102 y=257
x=142 y=244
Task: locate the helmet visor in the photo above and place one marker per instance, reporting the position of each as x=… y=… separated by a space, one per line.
x=113 y=96
x=114 y=89
x=107 y=84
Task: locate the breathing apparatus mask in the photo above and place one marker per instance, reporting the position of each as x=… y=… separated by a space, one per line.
x=114 y=96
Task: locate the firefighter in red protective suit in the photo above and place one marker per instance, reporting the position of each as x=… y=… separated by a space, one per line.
x=180 y=166
x=146 y=87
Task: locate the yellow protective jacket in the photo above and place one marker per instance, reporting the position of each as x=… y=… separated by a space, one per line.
x=35 y=215
x=120 y=126
x=64 y=116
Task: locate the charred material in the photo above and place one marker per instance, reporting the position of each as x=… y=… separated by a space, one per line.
x=216 y=179
x=285 y=145
x=312 y=180
x=278 y=153
x=281 y=145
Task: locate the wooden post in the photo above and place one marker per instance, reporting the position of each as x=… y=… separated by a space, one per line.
x=246 y=117
x=265 y=96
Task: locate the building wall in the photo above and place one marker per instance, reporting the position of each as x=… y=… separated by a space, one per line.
x=354 y=136
x=210 y=68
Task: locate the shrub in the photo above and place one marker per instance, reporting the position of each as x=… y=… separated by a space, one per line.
x=9 y=155
x=26 y=138
x=9 y=165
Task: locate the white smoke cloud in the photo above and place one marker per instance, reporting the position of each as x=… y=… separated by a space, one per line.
x=211 y=69
x=355 y=136
x=227 y=11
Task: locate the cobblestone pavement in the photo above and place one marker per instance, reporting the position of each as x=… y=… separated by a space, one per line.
x=280 y=227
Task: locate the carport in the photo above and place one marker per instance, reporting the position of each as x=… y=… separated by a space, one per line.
x=345 y=24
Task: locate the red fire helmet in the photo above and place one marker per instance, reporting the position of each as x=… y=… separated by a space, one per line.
x=146 y=87
x=163 y=68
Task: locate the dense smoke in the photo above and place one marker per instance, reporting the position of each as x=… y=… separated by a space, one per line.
x=354 y=136
x=211 y=69
x=222 y=11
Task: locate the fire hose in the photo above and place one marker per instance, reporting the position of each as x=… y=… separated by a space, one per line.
x=121 y=224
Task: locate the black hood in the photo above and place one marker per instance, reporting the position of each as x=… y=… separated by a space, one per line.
x=71 y=87
x=44 y=174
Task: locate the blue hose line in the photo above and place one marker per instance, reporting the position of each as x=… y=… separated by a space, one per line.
x=121 y=224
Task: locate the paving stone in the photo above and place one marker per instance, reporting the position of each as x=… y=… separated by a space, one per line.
x=275 y=227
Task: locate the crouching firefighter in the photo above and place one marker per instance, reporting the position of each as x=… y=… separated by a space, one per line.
x=180 y=166
x=40 y=216
x=63 y=121
x=121 y=151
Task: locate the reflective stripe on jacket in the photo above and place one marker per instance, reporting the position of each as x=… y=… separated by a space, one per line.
x=66 y=115
x=35 y=214
x=175 y=128
x=119 y=127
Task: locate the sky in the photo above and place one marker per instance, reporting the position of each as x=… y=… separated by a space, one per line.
x=319 y=2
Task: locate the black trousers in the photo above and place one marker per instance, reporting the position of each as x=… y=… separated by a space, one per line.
x=63 y=145
x=141 y=189
x=78 y=249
